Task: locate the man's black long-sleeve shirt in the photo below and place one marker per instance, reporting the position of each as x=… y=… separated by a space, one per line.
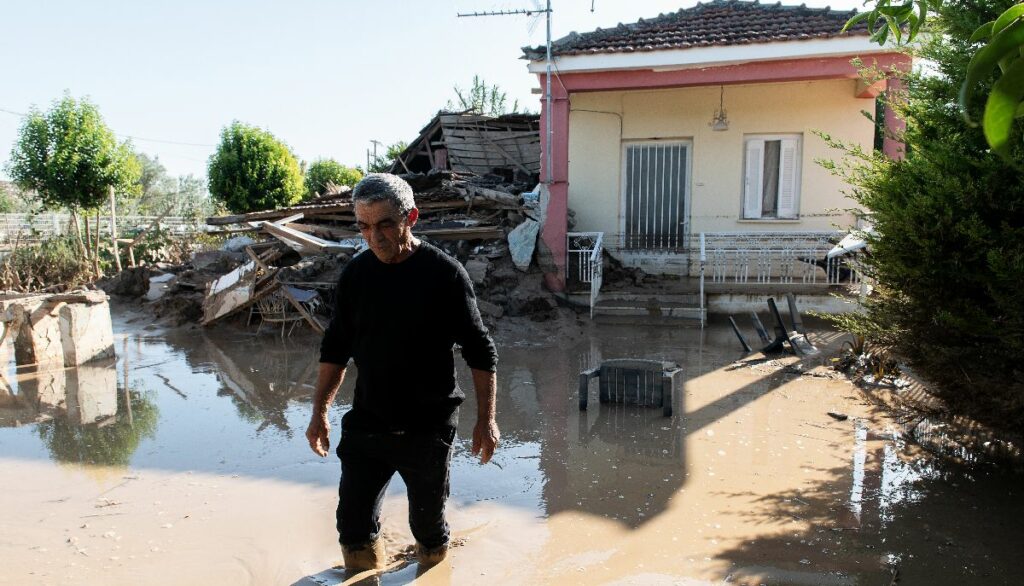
x=399 y=323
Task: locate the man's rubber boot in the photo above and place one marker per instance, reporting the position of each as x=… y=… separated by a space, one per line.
x=431 y=556
x=364 y=557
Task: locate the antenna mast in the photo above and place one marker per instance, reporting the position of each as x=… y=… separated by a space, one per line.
x=548 y=131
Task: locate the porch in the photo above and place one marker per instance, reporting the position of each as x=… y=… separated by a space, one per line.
x=717 y=272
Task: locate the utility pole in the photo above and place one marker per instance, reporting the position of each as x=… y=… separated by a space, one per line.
x=549 y=130
x=374 y=142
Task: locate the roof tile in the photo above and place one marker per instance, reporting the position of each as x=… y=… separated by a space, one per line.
x=718 y=23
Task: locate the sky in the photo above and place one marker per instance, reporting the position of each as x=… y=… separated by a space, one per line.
x=327 y=77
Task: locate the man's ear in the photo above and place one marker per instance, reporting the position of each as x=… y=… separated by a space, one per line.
x=414 y=214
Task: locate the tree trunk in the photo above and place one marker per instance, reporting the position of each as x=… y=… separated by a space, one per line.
x=96 y=248
x=78 y=235
x=88 y=237
x=113 y=230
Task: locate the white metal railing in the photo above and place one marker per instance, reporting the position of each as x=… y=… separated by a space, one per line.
x=584 y=262
x=27 y=228
x=703 y=263
x=775 y=258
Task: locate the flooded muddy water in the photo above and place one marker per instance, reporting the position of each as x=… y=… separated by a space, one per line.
x=185 y=461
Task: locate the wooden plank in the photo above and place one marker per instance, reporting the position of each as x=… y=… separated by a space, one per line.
x=312 y=321
x=273 y=215
x=478 y=233
x=256 y=259
x=306 y=243
x=494 y=195
x=320 y=229
x=494 y=134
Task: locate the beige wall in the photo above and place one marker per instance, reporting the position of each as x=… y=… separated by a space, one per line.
x=716 y=184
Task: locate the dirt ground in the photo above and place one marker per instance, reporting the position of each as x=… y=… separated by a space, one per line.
x=186 y=463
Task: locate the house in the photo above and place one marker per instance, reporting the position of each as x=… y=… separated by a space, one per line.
x=702 y=122
x=465 y=142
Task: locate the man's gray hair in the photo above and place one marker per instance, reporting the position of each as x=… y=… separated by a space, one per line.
x=385 y=187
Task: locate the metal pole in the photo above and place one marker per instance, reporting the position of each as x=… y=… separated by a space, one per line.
x=550 y=112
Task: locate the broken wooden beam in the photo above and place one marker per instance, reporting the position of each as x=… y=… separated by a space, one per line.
x=305 y=243
x=475 y=233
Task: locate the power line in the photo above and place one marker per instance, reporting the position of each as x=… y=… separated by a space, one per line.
x=133 y=137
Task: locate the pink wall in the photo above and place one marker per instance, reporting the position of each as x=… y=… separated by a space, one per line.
x=892 y=146
x=555 y=225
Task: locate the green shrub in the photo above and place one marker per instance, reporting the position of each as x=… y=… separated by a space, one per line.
x=328 y=171
x=252 y=170
x=949 y=258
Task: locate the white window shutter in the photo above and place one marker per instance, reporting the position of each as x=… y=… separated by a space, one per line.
x=752 y=180
x=789 y=178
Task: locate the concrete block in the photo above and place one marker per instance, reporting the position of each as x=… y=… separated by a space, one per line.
x=86 y=332
x=39 y=339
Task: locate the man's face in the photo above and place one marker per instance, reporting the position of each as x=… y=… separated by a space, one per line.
x=387 y=232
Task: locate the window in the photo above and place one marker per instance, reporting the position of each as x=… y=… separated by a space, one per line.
x=771 y=187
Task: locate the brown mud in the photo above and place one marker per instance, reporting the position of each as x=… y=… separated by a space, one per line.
x=185 y=462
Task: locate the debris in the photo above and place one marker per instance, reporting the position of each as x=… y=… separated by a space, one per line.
x=736 y=330
x=237 y=244
x=522 y=241
x=477 y=270
x=838 y=416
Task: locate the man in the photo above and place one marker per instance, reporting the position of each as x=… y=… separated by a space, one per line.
x=401 y=308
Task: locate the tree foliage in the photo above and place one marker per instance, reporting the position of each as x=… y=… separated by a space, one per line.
x=483 y=99
x=252 y=170
x=70 y=158
x=184 y=195
x=382 y=163
x=996 y=44
x=949 y=255
x=328 y=171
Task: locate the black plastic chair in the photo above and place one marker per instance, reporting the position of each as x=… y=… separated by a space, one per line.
x=649 y=383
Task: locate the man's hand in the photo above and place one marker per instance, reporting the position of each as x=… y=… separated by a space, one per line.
x=485 y=439
x=319 y=435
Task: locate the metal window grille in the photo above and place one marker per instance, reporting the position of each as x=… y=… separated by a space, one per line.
x=654 y=201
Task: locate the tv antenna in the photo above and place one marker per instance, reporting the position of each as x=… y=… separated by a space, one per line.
x=548 y=131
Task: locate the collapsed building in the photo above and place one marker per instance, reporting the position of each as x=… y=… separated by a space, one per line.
x=475 y=184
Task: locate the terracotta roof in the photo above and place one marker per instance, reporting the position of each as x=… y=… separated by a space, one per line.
x=717 y=23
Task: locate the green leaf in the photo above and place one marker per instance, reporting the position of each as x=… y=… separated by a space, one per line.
x=982 y=32
x=1001 y=108
x=894 y=28
x=981 y=65
x=880 y=35
x=915 y=26
x=1011 y=14
x=853 y=21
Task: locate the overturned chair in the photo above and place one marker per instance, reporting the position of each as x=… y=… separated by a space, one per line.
x=646 y=383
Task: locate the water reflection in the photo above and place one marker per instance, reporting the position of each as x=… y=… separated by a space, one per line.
x=749 y=452
x=81 y=414
x=627 y=462
x=260 y=389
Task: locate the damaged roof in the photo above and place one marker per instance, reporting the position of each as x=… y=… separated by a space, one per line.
x=717 y=23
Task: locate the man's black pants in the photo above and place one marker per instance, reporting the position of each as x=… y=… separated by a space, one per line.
x=370 y=459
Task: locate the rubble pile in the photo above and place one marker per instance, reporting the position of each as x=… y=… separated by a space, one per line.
x=286 y=261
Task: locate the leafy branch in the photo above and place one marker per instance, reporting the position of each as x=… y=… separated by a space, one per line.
x=1003 y=47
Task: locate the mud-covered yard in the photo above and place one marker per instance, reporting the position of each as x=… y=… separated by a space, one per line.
x=185 y=462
